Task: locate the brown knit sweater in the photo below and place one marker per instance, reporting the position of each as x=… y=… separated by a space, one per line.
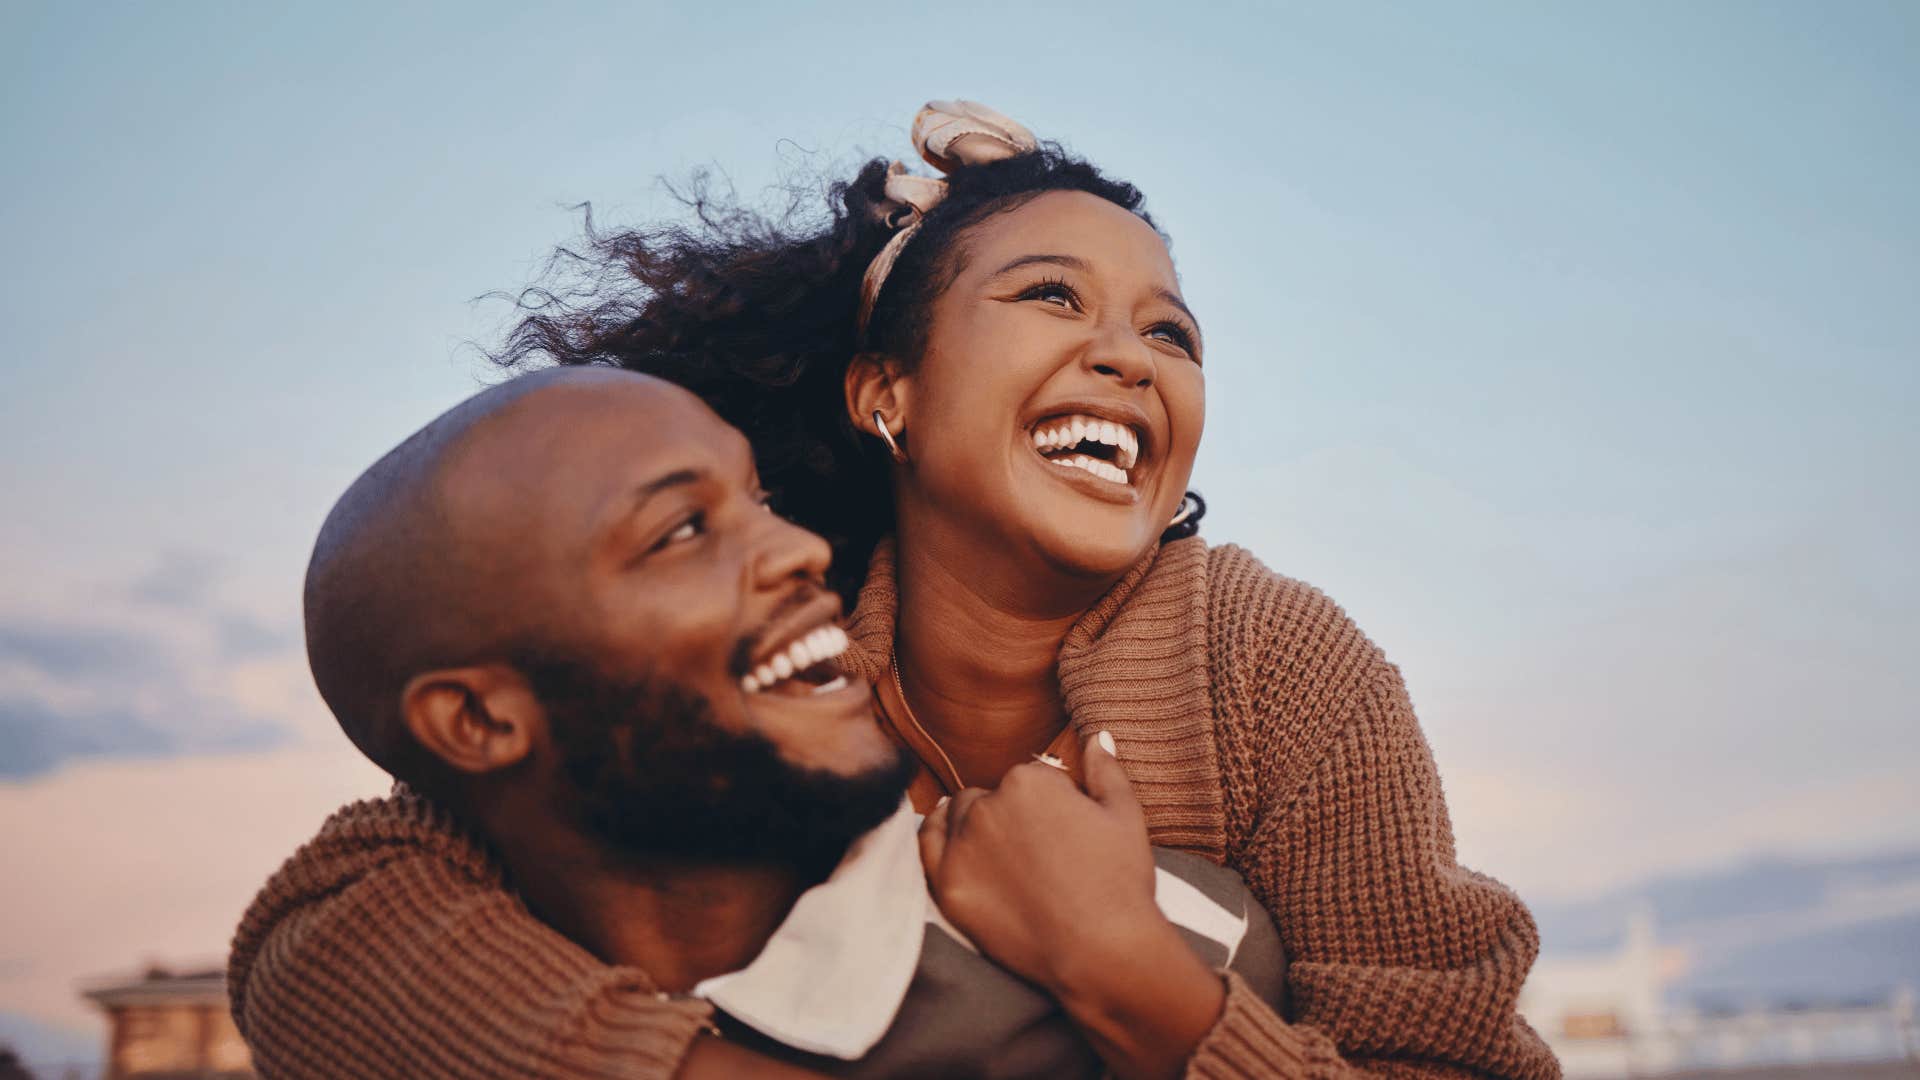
x=1259 y=727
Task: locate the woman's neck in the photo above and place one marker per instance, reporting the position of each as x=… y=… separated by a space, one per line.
x=977 y=658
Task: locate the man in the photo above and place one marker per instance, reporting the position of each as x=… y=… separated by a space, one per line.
x=552 y=614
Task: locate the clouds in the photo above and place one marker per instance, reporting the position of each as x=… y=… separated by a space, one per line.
x=35 y=738
x=154 y=667
x=113 y=863
x=161 y=750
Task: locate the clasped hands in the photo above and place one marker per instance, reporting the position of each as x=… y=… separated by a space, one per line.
x=1057 y=885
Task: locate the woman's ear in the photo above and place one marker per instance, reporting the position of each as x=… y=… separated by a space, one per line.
x=475 y=719
x=875 y=383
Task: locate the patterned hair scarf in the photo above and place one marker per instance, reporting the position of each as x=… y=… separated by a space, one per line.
x=948 y=134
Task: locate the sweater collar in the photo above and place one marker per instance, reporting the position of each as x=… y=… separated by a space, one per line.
x=833 y=975
x=1135 y=665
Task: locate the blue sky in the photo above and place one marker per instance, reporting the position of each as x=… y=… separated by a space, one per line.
x=1575 y=350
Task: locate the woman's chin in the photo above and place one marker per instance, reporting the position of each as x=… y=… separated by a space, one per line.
x=1106 y=552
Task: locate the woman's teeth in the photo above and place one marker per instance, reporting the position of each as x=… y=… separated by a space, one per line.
x=817 y=647
x=1067 y=432
x=1093 y=465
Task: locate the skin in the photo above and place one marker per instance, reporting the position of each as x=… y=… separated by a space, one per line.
x=647 y=528
x=1063 y=300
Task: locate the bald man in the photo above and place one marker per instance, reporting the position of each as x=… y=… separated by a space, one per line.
x=543 y=613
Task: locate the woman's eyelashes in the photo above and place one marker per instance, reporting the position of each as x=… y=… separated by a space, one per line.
x=1052 y=291
x=1059 y=293
x=1178 y=335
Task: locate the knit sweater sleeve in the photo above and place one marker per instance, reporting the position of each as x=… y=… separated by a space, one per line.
x=1402 y=962
x=388 y=947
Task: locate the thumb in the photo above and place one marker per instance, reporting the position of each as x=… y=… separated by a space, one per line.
x=933 y=838
x=1107 y=782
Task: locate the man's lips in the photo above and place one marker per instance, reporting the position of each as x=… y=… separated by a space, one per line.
x=798 y=644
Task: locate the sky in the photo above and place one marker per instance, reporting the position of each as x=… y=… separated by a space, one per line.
x=1573 y=349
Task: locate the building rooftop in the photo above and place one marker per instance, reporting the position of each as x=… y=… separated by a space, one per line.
x=161 y=986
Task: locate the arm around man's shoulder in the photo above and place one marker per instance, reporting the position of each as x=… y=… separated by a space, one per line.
x=388 y=946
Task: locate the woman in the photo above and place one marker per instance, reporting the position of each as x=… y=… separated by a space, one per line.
x=987 y=393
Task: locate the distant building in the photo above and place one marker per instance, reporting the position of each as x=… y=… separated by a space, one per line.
x=171 y=1025
x=1608 y=1014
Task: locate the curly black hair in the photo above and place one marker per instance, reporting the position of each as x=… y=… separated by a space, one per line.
x=757 y=315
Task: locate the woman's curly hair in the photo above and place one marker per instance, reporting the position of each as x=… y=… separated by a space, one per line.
x=757 y=315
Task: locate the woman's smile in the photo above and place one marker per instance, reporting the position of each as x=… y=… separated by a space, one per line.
x=1099 y=448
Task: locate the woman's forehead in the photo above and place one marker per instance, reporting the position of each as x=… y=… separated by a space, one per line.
x=1109 y=239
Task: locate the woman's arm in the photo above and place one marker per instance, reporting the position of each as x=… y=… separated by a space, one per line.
x=1402 y=963
x=388 y=947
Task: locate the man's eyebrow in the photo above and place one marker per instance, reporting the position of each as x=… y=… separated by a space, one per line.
x=638 y=497
x=619 y=508
x=676 y=478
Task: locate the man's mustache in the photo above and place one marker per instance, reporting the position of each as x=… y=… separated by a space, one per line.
x=740 y=661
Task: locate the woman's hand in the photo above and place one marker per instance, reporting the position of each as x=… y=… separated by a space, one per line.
x=1057 y=885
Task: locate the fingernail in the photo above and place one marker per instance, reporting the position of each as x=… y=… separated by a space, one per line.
x=944 y=800
x=1106 y=743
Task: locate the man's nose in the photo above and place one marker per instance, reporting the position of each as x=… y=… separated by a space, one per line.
x=784 y=551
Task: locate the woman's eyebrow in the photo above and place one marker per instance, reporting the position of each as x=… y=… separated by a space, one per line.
x=1074 y=262
x=1173 y=298
x=1071 y=262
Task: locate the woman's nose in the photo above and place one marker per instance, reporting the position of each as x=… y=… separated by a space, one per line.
x=1119 y=354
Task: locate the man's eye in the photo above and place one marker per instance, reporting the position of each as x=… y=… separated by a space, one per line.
x=684 y=531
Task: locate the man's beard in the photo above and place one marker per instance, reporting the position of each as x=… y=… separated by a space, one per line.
x=654 y=778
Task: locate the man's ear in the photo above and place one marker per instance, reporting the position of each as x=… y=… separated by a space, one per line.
x=876 y=382
x=475 y=719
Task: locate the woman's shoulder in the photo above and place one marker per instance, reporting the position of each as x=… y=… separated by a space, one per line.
x=1290 y=672
x=1263 y=622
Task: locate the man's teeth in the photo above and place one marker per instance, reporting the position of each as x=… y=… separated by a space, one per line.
x=1069 y=431
x=824 y=643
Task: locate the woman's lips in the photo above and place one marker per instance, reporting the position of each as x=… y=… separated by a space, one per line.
x=1105 y=449
x=1085 y=480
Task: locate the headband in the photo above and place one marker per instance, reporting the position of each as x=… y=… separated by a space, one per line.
x=949 y=135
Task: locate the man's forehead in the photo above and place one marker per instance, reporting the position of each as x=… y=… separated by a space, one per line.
x=640 y=414
x=579 y=437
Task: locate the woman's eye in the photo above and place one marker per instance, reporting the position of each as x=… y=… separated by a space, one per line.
x=1058 y=293
x=1173 y=334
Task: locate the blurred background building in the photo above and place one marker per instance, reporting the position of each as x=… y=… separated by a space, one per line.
x=168 y=1025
